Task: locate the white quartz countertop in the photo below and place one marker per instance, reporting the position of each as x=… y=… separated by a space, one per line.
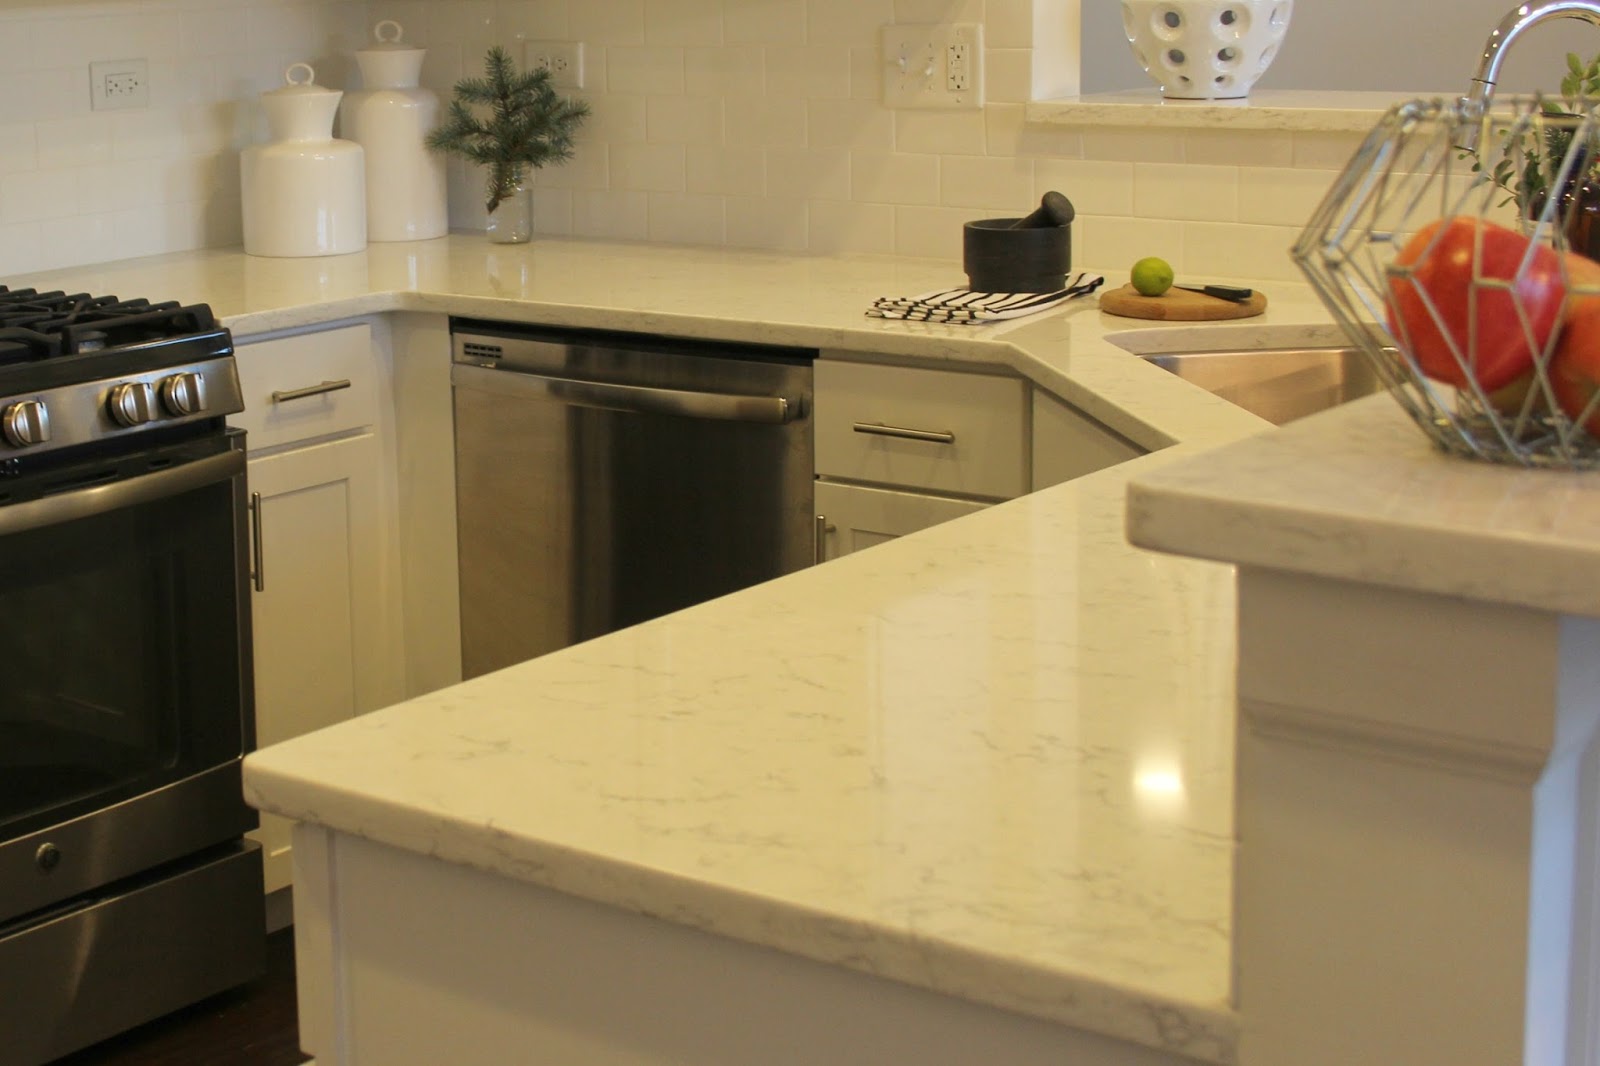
x=730 y=295
x=1360 y=494
x=993 y=758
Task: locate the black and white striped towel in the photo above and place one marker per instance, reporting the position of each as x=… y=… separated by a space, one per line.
x=966 y=307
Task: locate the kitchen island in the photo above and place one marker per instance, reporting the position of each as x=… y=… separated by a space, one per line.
x=977 y=782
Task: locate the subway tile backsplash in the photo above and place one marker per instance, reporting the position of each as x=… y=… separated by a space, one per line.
x=727 y=122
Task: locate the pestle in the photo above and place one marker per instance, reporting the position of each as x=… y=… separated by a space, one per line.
x=1054 y=210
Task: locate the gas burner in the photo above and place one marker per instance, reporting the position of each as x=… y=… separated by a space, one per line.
x=35 y=325
x=88 y=372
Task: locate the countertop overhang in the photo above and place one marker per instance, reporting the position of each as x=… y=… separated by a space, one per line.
x=992 y=759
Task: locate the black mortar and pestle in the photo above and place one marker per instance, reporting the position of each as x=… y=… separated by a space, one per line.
x=1028 y=254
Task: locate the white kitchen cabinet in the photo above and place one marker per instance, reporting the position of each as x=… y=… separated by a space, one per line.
x=900 y=449
x=315 y=662
x=408 y=959
x=937 y=430
x=1067 y=443
x=852 y=517
x=325 y=611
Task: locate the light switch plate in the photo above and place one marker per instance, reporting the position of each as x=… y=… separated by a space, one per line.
x=928 y=65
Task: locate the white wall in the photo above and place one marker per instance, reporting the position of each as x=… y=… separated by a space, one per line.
x=748 y=123
x=756 y=123
x=80 y=186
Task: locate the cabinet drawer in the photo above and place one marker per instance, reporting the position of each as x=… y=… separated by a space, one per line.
x=288 y=393
x=853 y=517
x=978 y=422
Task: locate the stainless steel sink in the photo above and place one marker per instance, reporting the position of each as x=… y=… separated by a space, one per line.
x=1278 y=384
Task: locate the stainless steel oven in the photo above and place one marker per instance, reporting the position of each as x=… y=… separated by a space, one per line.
x=126 y=889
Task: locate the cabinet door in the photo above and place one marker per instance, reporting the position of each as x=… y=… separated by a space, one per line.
x=319 y=652
x=853 y=517
x=1068 y=444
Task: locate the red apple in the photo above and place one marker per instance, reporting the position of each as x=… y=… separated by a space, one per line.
x=1575 y=364
x=1460 y=329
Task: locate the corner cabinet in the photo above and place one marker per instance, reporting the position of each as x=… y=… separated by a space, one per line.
x=1068 y=443
x=903 y=448
x=900 y=449
x=326 y=617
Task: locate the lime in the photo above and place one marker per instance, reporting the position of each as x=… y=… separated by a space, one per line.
x=1152 y=276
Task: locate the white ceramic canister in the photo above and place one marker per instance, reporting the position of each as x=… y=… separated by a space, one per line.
x=1205 y=49
x=391 y=117
x=304 y=191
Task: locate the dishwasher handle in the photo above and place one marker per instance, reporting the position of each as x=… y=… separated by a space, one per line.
x=637 y=399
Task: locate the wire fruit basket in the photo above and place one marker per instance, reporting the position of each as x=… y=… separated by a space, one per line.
x=1456 y=251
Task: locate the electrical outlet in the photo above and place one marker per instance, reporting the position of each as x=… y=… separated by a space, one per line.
x=933 y=66
x=563 y=59
x=957 y=75
x=119 y=83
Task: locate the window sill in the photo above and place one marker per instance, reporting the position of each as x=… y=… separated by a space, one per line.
x=1292 y=110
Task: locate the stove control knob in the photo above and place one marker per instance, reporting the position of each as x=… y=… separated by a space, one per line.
x=25 y=423
x=132 y=403
x=184 y=394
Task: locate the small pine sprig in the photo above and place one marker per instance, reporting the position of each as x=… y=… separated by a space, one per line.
x=528 y=124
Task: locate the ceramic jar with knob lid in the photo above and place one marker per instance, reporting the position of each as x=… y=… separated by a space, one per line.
x=391 y=117
x=304 y=191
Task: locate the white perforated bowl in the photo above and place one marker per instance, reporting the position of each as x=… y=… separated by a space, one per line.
x=1205 y=49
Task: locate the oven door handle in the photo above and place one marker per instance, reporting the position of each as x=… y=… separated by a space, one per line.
x=103 y=499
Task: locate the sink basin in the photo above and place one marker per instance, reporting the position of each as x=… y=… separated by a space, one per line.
x=1278 y=384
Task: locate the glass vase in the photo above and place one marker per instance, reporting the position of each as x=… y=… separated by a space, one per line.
x=511 y=222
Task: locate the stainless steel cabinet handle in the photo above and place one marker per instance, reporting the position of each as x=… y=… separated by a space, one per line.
x=258 y=572
x=639 y=399
x=820 y=551
x=881 y=430
x=310 y=390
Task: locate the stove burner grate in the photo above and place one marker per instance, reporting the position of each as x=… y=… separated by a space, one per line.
x=35 y=325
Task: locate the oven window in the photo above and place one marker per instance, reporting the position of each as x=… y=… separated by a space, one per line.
x=119 y=639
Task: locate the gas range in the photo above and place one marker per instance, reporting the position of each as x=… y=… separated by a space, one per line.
x=127 y=888
x=78 y=370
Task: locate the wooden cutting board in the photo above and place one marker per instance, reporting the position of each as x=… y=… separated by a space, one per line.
x=1179 y=305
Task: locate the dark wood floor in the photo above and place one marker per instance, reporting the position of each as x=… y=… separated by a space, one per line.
x=249 y=1026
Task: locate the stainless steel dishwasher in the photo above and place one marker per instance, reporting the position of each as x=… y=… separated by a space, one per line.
x=603 y=479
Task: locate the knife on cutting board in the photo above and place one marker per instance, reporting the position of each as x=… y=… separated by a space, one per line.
x=1221 y=292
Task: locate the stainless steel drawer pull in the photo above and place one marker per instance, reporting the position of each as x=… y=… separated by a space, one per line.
x=820 y=548
x=258 y=574
x=310 y=390
x=881 y=430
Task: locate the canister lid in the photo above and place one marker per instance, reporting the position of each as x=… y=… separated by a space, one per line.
x=389 y=64
x=300 y=86
x=387 y=34
x=301 y=110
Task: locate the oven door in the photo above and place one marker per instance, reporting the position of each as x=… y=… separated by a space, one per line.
x=125 y=705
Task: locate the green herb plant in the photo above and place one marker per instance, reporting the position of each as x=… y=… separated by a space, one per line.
x=1532 y=156
x=508 y=121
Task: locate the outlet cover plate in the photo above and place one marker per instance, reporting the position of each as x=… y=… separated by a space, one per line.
x=931 y=65
x=116 y=84
x=564 y=60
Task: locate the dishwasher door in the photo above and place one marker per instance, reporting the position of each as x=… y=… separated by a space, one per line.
x=605 y=481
